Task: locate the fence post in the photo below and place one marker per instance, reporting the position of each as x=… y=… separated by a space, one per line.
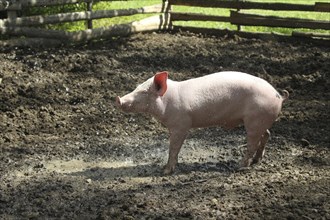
x=238 y=9
x=90 y=9
x=167 y=8
x=12 y=14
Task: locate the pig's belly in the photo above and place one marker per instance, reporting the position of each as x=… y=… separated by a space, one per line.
x=225 y=121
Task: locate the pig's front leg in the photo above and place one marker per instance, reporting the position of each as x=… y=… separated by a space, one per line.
x=177 y=138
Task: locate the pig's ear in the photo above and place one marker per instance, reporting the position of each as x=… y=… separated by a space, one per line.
x=160 y=81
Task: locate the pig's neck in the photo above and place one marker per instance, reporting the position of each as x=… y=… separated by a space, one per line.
x=165 y=103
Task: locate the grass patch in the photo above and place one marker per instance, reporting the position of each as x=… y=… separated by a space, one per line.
x=121 y=5
x=69 y=26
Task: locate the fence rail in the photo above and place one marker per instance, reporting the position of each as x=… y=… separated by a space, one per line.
x=20 y=4
x=273 y=21
x=78 y=16
x=318 y=6
x=17 y=26
x=148 y=24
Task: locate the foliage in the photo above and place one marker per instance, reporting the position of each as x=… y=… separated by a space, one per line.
x=30 y=11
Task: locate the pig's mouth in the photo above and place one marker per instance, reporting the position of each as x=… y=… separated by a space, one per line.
x=123 y=106
x=128 y=106
x=118 y=101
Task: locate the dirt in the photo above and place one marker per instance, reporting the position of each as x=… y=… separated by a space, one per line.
x=66 y=152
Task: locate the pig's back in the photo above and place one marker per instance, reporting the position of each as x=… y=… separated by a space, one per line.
x=227 y=84
x=228 y=97
x=225 y=79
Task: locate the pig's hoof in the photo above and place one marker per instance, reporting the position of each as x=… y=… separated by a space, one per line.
x=245 y=163
x=243 y=169
x=255 y=160
x=168 y=170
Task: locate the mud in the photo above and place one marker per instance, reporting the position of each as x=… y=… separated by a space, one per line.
x=66 y=152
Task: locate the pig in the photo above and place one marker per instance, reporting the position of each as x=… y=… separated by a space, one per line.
x=225 y=99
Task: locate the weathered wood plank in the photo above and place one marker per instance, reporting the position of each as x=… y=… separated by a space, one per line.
x=197 y=17
x=18 y=5
x=153 y=23
x=272 y=21
x=33 y=32
x=223 y=32
x=309 y=34
x=244 y=5
x=259 y=35
x=31 y=42
x=79 y=16
x=26 y=3
x=322 y=6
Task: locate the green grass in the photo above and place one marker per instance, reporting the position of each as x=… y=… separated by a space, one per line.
x=210 y=11
x=121 y=5
x=226 y=12
x=72 y=26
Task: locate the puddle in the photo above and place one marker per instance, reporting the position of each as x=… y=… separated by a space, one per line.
x=73 y=166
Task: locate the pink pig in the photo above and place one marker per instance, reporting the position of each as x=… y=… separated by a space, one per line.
x=221 y=99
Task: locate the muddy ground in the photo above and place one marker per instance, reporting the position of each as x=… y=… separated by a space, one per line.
x=66 y=152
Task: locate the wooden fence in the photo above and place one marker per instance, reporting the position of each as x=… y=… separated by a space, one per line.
x=238 y=18
x=15 y=26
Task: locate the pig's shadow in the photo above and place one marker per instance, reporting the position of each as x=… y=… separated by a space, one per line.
x=152 y=170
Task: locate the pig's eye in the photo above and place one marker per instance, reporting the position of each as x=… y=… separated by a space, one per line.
x=144 y=91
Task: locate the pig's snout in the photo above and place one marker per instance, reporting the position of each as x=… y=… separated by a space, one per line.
x=123 y=103
x=118 y=101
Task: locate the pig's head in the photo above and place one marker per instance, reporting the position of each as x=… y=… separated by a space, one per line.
x=144 y=97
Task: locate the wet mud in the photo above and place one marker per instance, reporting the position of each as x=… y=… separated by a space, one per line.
x=66 y=151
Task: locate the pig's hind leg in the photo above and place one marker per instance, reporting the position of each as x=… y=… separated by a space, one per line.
x=257 y=136
x=253 y=143
x=261 y=149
